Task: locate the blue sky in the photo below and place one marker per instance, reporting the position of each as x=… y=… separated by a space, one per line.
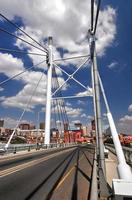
x=68 y=28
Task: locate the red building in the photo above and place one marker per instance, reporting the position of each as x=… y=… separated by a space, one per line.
x=72 y=136
x=125 y=139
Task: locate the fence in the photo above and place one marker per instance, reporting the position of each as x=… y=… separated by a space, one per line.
x=14 y=148
x=127 y=152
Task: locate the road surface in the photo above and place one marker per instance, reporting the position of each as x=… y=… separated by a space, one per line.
x=55 y=175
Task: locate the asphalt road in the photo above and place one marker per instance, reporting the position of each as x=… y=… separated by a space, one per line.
x=7 y=162
x=60 y=175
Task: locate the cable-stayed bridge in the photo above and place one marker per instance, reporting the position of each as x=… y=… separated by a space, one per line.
x=68 y=171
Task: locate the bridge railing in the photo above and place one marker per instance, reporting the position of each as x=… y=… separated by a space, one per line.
x=127 y=152
x=14 y=148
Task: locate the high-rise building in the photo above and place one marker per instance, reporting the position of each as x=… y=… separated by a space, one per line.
x=32 y=126
x=85 y=130
x=66 y=125
x=42 y=125
x=24 y=126
x=93 y=124
x=1 y=122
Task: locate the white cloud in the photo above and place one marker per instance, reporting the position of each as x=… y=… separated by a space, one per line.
x=83 y=115
x=85 y=93
x=68 y=104
x=126 y=119
x=31 y=79
x=73 y=112
x=125 y=124
x=104 y=114
x=76 y=121
x=10 y=65
x=130 y=108
x=90 y=117
x=11 y=122
x=112 y=65
x=105 y=117
x=22 y=97
x=67 y=26
x=80 y=102
x=2 y=98
x=1 y=89
x=43 y=18
x=106 y=29
x=58 y=122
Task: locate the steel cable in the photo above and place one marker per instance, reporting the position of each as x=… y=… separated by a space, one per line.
x=97 y=15
x=22 y=52
x=11 y=78
x=23 y=31
x=92 y=14
x=24 y=110
x=11 y=34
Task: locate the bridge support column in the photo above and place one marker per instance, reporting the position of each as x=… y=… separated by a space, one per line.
x=49 y=90
x=96 y=97
x=97 y=143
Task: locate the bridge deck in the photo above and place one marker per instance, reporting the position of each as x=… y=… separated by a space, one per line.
x=60 y=175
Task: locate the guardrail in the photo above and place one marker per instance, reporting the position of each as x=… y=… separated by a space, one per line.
x=14 y=148
x=127 y=152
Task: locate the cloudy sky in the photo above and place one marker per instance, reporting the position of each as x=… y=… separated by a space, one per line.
x=68 y=22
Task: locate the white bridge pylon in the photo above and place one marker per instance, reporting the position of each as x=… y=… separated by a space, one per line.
x=49 y=97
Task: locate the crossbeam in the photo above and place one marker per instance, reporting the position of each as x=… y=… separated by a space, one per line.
x=71 y=58
x=70 y=77
x=70 y=97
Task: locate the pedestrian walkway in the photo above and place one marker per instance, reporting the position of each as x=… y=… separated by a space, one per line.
x=111 y=168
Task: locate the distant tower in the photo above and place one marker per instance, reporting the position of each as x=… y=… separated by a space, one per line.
x=66 y=125
x=42 y=125
x=1 y=122
x=93 y=128
x=93 y=125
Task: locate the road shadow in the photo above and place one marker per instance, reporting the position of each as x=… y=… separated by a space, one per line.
x=69 y=158
x=58 y=180
x=74 y=195
x=75 y=186
x=90 y=162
